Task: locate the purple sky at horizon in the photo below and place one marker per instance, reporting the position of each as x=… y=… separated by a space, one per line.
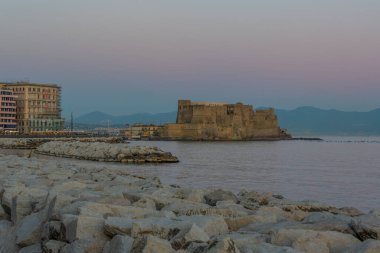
x=124 y=57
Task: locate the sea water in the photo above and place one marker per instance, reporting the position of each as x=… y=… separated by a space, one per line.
x=341 y=171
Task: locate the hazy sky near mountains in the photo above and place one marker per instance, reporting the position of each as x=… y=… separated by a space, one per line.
x=122 y=56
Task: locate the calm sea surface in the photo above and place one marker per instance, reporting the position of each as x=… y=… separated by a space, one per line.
x=342 y=171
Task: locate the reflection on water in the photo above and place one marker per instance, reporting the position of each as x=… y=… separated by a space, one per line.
x=338 y=171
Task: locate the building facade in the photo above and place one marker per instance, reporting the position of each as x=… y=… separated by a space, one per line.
x=141 y=131
x=222 y=121
x=38 y=107
x=7 y=110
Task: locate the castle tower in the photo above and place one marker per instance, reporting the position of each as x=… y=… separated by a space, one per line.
x=185 y=112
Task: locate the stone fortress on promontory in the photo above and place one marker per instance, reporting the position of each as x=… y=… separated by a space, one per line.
x=222 y=121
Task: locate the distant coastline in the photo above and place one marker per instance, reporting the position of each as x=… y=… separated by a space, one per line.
x=301 y=122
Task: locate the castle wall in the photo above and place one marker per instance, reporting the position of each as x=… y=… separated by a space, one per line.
x=220 y=121
x=180 y=131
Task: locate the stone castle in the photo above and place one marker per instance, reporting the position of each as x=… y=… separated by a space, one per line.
x=221 y=121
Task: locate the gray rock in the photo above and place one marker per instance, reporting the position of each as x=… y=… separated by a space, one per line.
x=197 y=247
x=275 y=214
x=219 y=195
x=53 y=230
x=224 y=246
x=314 y=221
x=245 y=241
x=53 y=246
x=118 y=200
x=253 y=199
x=20 y=200
x=268 y=228
x=316 y=217
x=156 y=245
x=118 y=226
x=195 y=195
x=36 y=248
x=366 y=226
x=328 y=222
x=84 y=228
x=375 y=212
x=310 y=241
x=3 y=214
x=119 y=244
x=234 y=224
x=73 y=206
x=106 y=210
x=187 y=236
x=133 y=196
x=8 y=242
x=266 y=248
x=310 y=245
x=164 y=228
x=28 y=231
x=261 y=215
x=349 y=211
x=212 y=225
x=5 y=226
x=368 y=246
x=84 y=246
x=183 y=207
x=147 y=203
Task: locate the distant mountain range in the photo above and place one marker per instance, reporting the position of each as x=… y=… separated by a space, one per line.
x=99 y=119
x=314 y=121
x=305 y=121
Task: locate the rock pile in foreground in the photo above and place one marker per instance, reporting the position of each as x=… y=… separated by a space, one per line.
x=56 y=207
x=33 y=143
x=100 y=151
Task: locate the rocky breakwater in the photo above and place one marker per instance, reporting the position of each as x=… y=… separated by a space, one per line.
x=58 y=207
x=107 y=152
x=93 y=139
x=33 y=143
x=21 y=143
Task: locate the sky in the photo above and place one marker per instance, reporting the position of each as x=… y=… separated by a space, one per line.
x=123 y=57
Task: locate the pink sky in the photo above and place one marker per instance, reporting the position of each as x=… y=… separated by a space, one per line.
x=143 y=55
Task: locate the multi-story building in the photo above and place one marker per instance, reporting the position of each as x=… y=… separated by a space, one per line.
x=38 y=107
x=7 y=110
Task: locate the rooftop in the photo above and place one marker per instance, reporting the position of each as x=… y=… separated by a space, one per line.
x=208 y=103
x=31 y=84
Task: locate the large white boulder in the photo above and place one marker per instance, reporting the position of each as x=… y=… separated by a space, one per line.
x=310 y=241
x=156 y=245
x=186 y=236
